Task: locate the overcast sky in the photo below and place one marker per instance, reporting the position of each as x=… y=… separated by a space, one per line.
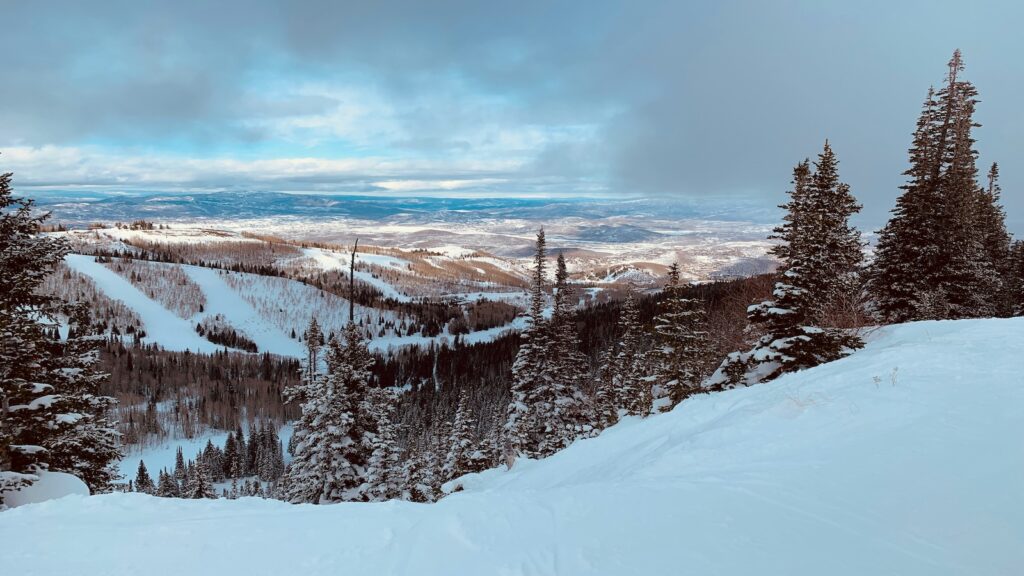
x=495 y=98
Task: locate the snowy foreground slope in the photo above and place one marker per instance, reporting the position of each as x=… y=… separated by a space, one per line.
x=907 y=458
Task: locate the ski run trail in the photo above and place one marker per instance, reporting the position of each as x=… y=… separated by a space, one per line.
x=906 y=458
x=171 y=332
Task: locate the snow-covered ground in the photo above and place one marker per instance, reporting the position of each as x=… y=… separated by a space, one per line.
x=331 y=260
x=905 y=458
x=162 y=326
x=239 y=313
x=163 y=455
x=251 y=304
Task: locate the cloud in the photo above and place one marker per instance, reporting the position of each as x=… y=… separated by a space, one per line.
x=660 y=98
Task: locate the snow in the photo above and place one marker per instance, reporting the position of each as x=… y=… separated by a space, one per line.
x=904 y=458
x=49 y=486
x=329 y=260
x=162 y=326
x=239 y=313
x=163 y=454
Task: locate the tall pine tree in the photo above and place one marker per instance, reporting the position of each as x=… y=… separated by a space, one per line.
x=820 y=254
x=529 y=371
x=682 y=355
x=941 y=253
x=50 y=415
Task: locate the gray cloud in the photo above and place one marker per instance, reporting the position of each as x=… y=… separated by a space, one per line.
x=671 y=98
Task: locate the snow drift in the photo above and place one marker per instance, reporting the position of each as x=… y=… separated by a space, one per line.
x=49 y=486
x=906 y=458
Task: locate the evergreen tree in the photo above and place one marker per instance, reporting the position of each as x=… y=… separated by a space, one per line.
x=180 y=473
x=559 y=410
x=383 y=473
x=167 y=487
x=681 y=359
x=143 y=481
x=1015 y=279
x=938 y=256
x=628 y=370
x=419 y=476
x=252 y=450
x=529 y=371
x=330 y=458
x=460 y=445
x=200 y=482
x=230 y=461
x=212 y=458
x=820 y=254
x=37 y=395
x=85 y=441
x=995 y=239
x=606 y=407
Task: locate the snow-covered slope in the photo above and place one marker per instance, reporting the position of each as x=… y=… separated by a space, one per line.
x=906 y=458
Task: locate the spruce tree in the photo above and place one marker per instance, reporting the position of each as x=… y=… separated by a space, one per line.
x=820 y=255
x=143 y=481
x=560 y=404
x=629 y=369
x=460 y=444
x=85 y=441
x=200 y=482
x=180 y=473
x=995 y=239
x=529 y=371
x=939 y=254
x=383 y=473
x=682 y=356
x=44 y=408
x=167 y=486
x=419 y=476
x=1015 y=279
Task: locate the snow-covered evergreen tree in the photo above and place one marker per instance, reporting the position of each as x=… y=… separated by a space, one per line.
x=605 y=401
x=43 y=402
x=995 y=239
x=180 y=472
x=1015 y=279
x=167 y=486
x=200 y=482
x=330 y=457
x=561 y=410
x=530 y=373
x=683 y=352
x=937 y=257
x=383 y=472
x=322 y=436
x=143 y=481
x=631 y=385
x=419 y=475
x=460 y=446
x=820 y=254
x=84 y=440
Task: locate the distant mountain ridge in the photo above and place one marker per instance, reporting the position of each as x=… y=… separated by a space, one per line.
x=88 y=206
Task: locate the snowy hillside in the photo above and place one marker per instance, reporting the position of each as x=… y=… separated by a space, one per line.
x=905 y=458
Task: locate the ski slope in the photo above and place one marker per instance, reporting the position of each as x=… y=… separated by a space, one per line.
x=250 y=304
x=330 y=260
x=162 y=326
x=906 y=458
x=222 y=299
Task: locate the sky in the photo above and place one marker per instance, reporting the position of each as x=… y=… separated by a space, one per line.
x=553 y=98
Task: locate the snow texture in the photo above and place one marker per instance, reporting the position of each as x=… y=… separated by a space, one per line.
x=904 y=458
x=162 y=326
x=49 y=486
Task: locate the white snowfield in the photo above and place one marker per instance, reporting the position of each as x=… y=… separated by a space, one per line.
x=162 y=326
x=265 y=325
x=905 y=459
